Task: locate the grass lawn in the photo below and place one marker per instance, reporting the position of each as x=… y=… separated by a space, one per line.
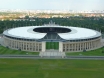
x=97 y=52
x=40 y=68
x=4 y=50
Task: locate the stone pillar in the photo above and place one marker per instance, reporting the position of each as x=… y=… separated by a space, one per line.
x=69 y=47
x=80 y=46
x=43 y=46
x=26 y=45
x=32 y=46
x=23 y=46
x=61 y=46
x=5 y=41
x=89 y=45
x=85 y=45
x=75 y=47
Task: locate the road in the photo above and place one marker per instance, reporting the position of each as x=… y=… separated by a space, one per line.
x=38 y=57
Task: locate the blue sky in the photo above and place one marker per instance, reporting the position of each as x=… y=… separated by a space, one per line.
x=53 y=4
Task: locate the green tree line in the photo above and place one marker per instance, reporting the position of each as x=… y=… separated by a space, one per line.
x=86 y=22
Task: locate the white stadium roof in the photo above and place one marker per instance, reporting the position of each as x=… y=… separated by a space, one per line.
x=25 y=33
x=28 y=33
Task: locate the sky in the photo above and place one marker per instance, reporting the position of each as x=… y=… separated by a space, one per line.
x=52 y=4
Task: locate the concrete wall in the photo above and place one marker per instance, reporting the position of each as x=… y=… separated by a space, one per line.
x=82 y=45
x=34 y=46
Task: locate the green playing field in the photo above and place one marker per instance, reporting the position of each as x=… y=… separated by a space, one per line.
x=52 y=45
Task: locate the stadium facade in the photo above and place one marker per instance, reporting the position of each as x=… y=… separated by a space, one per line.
x=52 y=37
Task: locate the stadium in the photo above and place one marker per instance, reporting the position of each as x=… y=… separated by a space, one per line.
x=52 y=37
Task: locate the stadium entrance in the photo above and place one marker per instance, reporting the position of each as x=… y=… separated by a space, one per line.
x=52 y=50
x=52 y=45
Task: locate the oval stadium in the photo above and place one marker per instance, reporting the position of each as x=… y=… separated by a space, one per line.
x=52 y=37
